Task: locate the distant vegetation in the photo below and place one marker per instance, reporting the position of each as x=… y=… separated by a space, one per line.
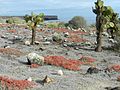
x=52 y=25
x=15 y=20
x=2 y=20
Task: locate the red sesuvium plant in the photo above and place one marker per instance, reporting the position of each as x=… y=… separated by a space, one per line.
x=12 y=31
x=74 y=35
x=11 y=51
x=118 y=78
x=87 y=59
x=63 y=62
x=4 y=25
x=34 y=66
x=11 y=84
x=116 y=68
x=75 y=38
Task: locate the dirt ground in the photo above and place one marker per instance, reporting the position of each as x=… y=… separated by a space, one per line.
x=12 y=61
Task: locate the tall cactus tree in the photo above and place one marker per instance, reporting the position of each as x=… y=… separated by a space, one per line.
x=105 y=19
x=99 y=9
x=32 y=22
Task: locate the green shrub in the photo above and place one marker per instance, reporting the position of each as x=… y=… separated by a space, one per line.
x=61 y=25
x=18 y=20
x=10 y=21
x=57 y=37
x=2 y=20
x=15 y=20
x=52 y=25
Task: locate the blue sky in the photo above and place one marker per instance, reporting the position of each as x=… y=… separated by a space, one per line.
x=11 y=5
x=59 y=7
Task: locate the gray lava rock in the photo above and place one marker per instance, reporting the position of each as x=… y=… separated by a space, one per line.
x=115 y=88
x=37 y=42
x=66 y=34
x=92 y=70
x=5 y=37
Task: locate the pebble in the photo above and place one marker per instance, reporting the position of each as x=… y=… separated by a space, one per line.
x=60 y=72
x=27 y=43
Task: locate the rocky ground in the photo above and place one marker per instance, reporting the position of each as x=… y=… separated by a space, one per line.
x=13 y=54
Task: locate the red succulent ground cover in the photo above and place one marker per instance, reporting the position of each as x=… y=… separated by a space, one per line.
x=4 y=24
x=11 y=51
x=63 y=62
x=76 y=39
x=118 y=78
x=11 y=31
x=61 y=30
x=34 y=66
x=80 y=32
x=87 y=59
x=116 y=68
x=73 y=34
x=12 y=84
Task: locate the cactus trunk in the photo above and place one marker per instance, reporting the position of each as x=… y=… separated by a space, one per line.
x=99 y=42
x=33 y=36
x=99 y=33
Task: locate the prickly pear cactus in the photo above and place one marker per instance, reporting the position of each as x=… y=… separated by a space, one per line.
x=105 y=19
x=32 y=22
